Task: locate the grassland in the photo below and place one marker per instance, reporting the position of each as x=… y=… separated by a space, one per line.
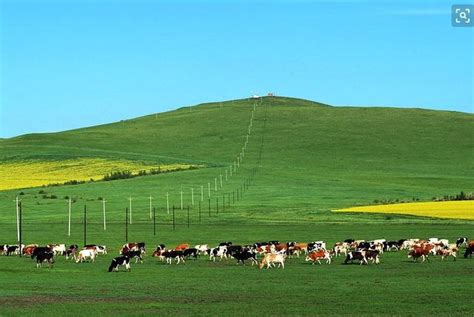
x=315 y=158
x=445 y=209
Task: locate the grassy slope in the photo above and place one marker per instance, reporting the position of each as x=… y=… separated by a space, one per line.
x=315 y=158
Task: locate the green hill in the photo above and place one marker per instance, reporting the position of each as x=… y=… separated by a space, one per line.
x=314 y=157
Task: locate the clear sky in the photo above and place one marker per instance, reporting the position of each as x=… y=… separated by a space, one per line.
x=70 y=64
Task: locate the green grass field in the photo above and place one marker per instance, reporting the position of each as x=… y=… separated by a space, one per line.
x=314 y=158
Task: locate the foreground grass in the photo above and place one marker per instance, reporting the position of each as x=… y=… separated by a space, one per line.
x=397 y=286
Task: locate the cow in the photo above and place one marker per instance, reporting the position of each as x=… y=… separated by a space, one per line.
x=231 y=249
x=226 y=244
x=160 y=247
x=220 y=252
x=245 y=255
x=29 y=249
x=39 y=250
x=101 y=249
x=372 y=255
x=46 y=256
x=86 y=254
x=159 y=254
x=120 y=260
x=71 y=251
x=419 y=252
x=270 y=259
x=340 y=247
x=319 y=255
x=133 y=246
x=391 y=245
x=12 y=249
x=446 y=253
x=137 y=255
x=202 y=248
x=182 y=247
x=461 y=241
x=316 y=245
x=191 y=252
x=173 y=254
x=469 y=251
x=356 y=255
x=58 y=249
x=349 y=241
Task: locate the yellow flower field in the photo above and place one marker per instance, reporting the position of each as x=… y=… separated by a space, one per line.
x=23 y=174
x=444 y=209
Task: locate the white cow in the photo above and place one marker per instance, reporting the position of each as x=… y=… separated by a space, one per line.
x=86 y=254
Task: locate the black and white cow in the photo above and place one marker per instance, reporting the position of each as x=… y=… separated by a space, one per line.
x=356 y=255
x=461 y=241
x=225 y=244
x=191 y=252
x=173 y=254
x=120 y=260
x=47 y=256
x=137 y=255
x=391 y=245
x=245 y=255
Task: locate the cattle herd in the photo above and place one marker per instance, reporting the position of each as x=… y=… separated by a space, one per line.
x=264 y=254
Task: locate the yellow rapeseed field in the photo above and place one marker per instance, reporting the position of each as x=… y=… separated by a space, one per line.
x=23 y=174
x=443 y=209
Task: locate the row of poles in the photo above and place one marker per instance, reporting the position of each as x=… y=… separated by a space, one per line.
x=236 y=195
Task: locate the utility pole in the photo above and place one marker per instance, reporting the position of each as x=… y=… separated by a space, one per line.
x=130 y=211
x=103 y=210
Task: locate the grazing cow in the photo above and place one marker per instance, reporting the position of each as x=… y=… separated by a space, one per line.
x=191 y=252
x=349 y=241
x=226 y=244
x=58 y=249
x=469 y=251
x=47 y=256
x=71 y=251
x=356 y=256
x=245 y=255
x=120 y=260
x=461 y=241
x=318 y=256
x=364 y=245
x=159 y=254
x=86 y=254
x=302 y=246
x=446 y=253
x=182 y=247
x=372 y=255
x=419 y=252
x=270 y=259
x=137 y=255
x=220 y=252
x=280 y=247
x=173 y=254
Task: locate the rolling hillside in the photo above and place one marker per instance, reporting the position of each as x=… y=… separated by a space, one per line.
x=315 y=157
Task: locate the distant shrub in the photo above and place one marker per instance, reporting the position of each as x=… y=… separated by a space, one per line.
x=41 y=192
x=21 y=193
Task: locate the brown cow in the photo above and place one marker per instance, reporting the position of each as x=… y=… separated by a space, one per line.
x=182 y=247
x=319 y=255
x=419 y=252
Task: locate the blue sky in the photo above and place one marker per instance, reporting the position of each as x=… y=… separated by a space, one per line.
x=69 y=64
